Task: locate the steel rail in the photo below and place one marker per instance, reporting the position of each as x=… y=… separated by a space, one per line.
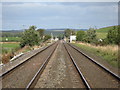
x=32 y=82
x=78 y=69
x=3 y=74
x=97 y=63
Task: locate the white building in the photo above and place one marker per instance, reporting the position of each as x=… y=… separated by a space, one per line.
x=56 y=39
x=52 y=37
x=72 y=38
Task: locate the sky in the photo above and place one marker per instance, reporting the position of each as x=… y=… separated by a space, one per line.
x=50 y=15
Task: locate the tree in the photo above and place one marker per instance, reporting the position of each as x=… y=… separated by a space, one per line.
x=91 y=36
x=113 y=36
x=61 y=36
x=30 y=37
x=80 y=35
x=69 y=32
x=47 y=37
x=41 y=33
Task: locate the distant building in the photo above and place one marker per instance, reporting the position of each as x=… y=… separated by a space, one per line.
x=56 y=39
x=72 y=38
x=52 y=37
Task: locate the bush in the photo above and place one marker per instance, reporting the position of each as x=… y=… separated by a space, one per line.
x=113 y=36
x=30 y=37
x=6 y=58
x=80 y=35
x=47 y=37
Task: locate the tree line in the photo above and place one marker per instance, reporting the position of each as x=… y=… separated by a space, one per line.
x=10 y=34
x=33 y=37
x=90 y=36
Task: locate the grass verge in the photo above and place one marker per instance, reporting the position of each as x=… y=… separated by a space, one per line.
x=9 y=47
x=111 y=56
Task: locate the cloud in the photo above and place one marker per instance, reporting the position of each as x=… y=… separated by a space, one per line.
x=0 y=16
x=59 y=1
x=49 y=15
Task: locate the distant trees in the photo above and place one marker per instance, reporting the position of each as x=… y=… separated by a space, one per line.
x=30 y=37
x=113 y=36
x=33 y=37
x=89 y=36
x=47 y=37
x=69 y=32
x=10 y=34
x=41 y=33
x=60 y=37
x=80 y=35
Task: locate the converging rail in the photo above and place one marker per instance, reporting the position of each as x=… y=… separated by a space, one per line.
x=97 y=63
x=25 y=72
x=93 y=74
x=90 y=72
x=78 y=69
x=37 y=75
x=4 y=73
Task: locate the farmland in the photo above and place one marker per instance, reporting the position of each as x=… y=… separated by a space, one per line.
x=9 y=47
x=108 y=53
x=10 y=39
x=101 y=35
x=102 y=32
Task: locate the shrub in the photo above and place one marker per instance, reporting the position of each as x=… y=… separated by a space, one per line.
x=30 y=37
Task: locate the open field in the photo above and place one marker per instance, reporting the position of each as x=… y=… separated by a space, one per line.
x=8 y=47
x=108 y=53
x=102 y=32
x=101 y=35
x=10 y=39
x=105 y=30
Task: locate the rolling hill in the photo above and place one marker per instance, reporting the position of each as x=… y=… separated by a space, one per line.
x=102 y=32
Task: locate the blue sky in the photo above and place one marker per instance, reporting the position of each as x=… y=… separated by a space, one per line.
x=48 y=15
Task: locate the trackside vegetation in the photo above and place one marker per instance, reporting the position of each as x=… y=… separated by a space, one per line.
x=105 y=52
x=91 y=36
x=17 y=42
x=32 y=37
x=105 y=47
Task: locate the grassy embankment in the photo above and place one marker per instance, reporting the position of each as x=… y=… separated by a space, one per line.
x=7 y=51
x=102 y=32
x=9 y=44
x=108 y=53
x=9 y=47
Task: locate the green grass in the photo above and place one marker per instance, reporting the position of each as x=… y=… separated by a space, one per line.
x=101 y=35
x=13 y=39
x=102 y=32
x=105 y=30
x=110 y=57
x=9 y=47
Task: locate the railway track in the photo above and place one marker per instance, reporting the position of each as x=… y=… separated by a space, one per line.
x=92 y=73
x=79 y=71
x=32 y=83
x=86 y=67
x=60 y=72
x=16 y=77
x=6 y=72
x=85 y=79
x=97 y=63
